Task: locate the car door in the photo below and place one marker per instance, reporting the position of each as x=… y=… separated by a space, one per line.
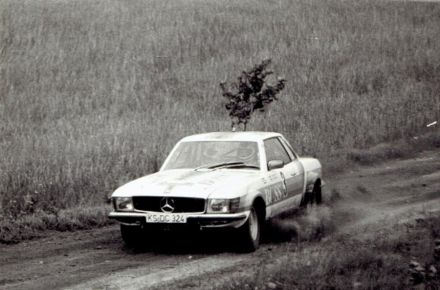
x=275 y=151
x=294 y=171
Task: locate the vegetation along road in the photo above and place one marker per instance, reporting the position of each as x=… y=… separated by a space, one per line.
x=368 y=221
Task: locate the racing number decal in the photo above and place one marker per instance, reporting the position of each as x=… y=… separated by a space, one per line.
x=276 y=191
x=284 y=181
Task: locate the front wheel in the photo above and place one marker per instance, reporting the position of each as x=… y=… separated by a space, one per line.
x=131 y=235
x=250 y=232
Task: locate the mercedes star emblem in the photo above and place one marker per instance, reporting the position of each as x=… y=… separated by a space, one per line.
x=167 y=204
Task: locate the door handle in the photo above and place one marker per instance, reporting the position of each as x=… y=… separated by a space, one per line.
x=294 y=174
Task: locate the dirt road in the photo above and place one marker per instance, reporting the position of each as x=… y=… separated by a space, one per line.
x=96 y=259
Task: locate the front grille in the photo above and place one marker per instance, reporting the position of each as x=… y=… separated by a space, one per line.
x=180 y=204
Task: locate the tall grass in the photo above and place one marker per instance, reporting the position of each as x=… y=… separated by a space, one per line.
x=96 y=92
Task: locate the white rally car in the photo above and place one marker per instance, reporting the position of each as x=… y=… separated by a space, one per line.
x=221 y=179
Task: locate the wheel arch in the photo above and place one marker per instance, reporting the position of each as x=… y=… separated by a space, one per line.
x=260 y=207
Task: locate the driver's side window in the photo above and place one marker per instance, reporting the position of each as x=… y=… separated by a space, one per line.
x=275 y=151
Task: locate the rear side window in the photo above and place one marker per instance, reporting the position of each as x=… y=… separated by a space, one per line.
x=275 y=151
x=288 y=148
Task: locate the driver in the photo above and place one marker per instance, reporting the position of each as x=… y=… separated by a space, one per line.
x=247 y=153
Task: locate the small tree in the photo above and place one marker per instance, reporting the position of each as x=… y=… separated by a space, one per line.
x=250 y=93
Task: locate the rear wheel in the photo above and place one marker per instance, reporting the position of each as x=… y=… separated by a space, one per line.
x=312 y=197
x=307 y=199
x=317 y=193
x=250 y=232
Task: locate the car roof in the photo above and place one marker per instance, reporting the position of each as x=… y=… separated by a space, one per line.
x=254 y=136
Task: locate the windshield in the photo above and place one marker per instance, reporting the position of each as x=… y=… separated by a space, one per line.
x=210 y=154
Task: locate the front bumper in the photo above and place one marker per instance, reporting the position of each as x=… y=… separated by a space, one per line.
x=233 y=220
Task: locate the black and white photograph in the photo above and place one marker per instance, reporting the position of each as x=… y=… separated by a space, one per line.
x=219 y=144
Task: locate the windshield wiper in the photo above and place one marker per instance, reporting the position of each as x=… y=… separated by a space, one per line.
x=242 y=165
x=226 y=165
x=217 y=165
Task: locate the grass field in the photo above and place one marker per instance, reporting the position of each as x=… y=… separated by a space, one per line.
x=95 y=93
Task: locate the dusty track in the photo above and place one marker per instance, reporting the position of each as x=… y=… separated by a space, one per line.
x=96 y=259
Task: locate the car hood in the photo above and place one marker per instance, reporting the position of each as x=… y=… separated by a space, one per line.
x=219 y=183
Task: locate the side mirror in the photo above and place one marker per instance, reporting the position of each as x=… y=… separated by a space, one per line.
x=274 y=164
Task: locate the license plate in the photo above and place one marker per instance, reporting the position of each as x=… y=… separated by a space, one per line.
x=166 y=218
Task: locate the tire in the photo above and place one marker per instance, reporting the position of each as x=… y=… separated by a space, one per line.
x=131 y=235
x=307 y=199
x=250 y=232
x=313 y=197
x=317 y=192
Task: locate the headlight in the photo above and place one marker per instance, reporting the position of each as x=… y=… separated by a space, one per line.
x=217 y=205
x=123 y=203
